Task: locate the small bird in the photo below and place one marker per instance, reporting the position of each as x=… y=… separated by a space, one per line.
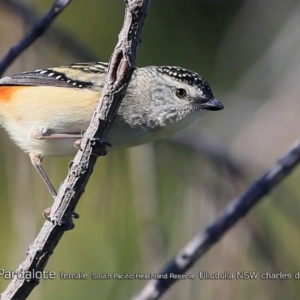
x=47 y=111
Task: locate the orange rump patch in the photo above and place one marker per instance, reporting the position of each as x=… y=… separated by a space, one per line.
x=6 y=92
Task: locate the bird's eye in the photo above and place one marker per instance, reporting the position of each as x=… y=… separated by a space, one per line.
x=181 y=93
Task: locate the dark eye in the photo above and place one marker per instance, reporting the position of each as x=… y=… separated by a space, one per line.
x=181 y=93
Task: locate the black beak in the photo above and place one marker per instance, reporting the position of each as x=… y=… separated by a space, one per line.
x=213 y=104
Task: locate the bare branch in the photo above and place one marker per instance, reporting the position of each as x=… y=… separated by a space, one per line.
x=203 y=241
x=121 y=67
x=38 y=29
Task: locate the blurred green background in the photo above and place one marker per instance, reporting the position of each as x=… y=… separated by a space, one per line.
x=142 y=205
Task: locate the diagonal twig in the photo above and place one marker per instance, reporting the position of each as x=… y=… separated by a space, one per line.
x=203 y=241
x=38 y=29
x=122 y=64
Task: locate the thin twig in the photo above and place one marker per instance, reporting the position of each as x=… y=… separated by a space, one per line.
x=38 y=29
x=203 y=241
x=121 y=67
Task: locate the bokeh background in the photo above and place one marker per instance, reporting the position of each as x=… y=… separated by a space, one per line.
x=143 y=204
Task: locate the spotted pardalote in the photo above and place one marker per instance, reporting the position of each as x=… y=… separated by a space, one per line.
x=46 y=111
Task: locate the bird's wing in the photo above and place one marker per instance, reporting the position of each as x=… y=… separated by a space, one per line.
x=80 y=75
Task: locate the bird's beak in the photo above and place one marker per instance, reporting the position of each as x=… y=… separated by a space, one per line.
x=213 y=104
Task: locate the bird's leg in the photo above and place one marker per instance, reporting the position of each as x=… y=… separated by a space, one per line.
x=36 y=160
x=42 y=133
